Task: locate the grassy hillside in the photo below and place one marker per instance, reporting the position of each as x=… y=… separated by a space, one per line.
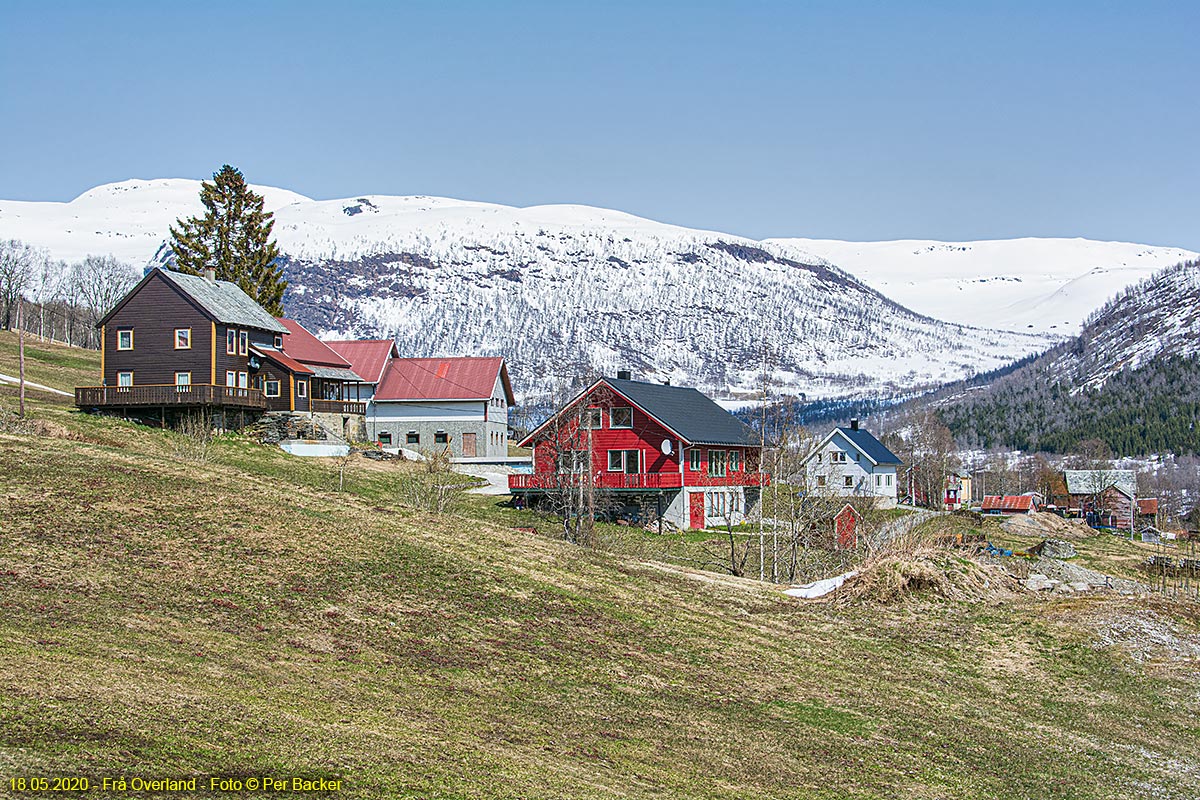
x=160 y=616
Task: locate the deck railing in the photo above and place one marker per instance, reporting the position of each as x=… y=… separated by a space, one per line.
x=338 y=407
x=621 y=481
x=196 y=394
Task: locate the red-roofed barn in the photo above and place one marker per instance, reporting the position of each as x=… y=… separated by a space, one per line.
x=457 y=404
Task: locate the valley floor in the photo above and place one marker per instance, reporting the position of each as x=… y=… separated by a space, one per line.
x=162 y=616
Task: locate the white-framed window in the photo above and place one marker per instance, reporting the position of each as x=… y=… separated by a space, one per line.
x=720 y=504
x=124 y=380
x=621 y=417
x=735 y=460
x=820 y=480
x=183 y=338
x=125 y=339
x=271 y=388
x=243 y=343
x=573 y=461
x=878 y=481
x=591 y=419
x=231 y=342
x=627 y=461
x=278 y=342
x=695 y=460
x=889 y=480
x=716 y=463
x=231 y=378
x=183 y=381
x=837 y=457
x=301 y=388
x=243 y=380
x=848 y=482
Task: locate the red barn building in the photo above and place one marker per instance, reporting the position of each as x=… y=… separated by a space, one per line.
x=648 y=451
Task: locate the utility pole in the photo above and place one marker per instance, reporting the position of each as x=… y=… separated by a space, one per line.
x=21 y=355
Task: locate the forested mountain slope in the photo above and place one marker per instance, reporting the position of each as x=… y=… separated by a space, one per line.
x=1131 y=378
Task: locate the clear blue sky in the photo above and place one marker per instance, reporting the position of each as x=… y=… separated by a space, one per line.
x=840 y=120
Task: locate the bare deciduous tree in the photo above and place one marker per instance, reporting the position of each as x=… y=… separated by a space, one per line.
x=16 y=271
x=97 y=283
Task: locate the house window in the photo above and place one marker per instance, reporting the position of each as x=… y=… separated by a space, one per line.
x=591 y=419
x=231 y=342
x=695 y=463
x=183 y=381
x=243 y=380
x=271 y=388
x=231 y=378
x=837 y=457
x=716 y=463
x=412 y=438
x=848 y=482
x=385 y=439
x=719 y=504
x=124 y=379
x=258 y=382
x=735 y=460
x=278 y=342
x=627 y=461
x=856 y=454
x=125 y=339
x=441 y=437
x=889 y=480
x=183 y=338
x=878 y=481
x=243 y=342
x=620 y=418
x=301 y=388
x=820 y=480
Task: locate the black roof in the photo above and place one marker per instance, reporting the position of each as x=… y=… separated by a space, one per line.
x=687 y=412
x=870 y=445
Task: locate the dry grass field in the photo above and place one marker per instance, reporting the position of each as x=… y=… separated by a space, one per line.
x=166 y=616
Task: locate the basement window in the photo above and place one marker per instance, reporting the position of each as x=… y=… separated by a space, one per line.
x=441 y=437
x=412 y=437
x=385 y=439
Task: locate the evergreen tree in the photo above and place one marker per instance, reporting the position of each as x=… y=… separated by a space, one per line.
x=233 y=238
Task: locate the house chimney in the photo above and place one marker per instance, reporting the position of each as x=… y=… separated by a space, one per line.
x=624 y=375
x=210 y=274
x=854 y=424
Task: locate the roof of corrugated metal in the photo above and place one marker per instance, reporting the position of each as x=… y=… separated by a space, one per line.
x=1095 y=481
x=1148 y=505
x=367 y=357
x=282 y=359
x=995 y=502
x=466 y=378
x=300 y=344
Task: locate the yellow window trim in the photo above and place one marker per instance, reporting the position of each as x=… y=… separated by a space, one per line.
x=292 y=393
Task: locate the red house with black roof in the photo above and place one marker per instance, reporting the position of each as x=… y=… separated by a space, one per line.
x=667 y=451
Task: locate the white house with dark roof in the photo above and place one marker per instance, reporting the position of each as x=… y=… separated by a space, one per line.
x=851 y=462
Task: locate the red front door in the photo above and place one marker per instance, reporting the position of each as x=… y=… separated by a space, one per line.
x=696 y=510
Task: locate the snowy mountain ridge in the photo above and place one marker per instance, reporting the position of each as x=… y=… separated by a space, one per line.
x=566 y=291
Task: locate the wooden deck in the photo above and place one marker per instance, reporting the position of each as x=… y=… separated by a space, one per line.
x=170 y=395
x=338 y=407
x=629 y=482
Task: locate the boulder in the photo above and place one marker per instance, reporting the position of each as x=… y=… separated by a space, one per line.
x=1039 y=583
x=1057 y=548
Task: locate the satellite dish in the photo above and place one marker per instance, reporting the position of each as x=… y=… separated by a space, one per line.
x=666 y=447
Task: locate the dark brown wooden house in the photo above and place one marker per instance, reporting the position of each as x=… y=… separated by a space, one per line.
x=179 y=341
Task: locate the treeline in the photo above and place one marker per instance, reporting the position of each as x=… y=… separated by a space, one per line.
x=62 y=301
x=1154 y=409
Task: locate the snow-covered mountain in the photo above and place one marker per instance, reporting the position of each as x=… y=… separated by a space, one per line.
x=565 y=291
x=1047 y=285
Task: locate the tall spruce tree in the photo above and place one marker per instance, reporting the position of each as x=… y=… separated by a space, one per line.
x=233 y=238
